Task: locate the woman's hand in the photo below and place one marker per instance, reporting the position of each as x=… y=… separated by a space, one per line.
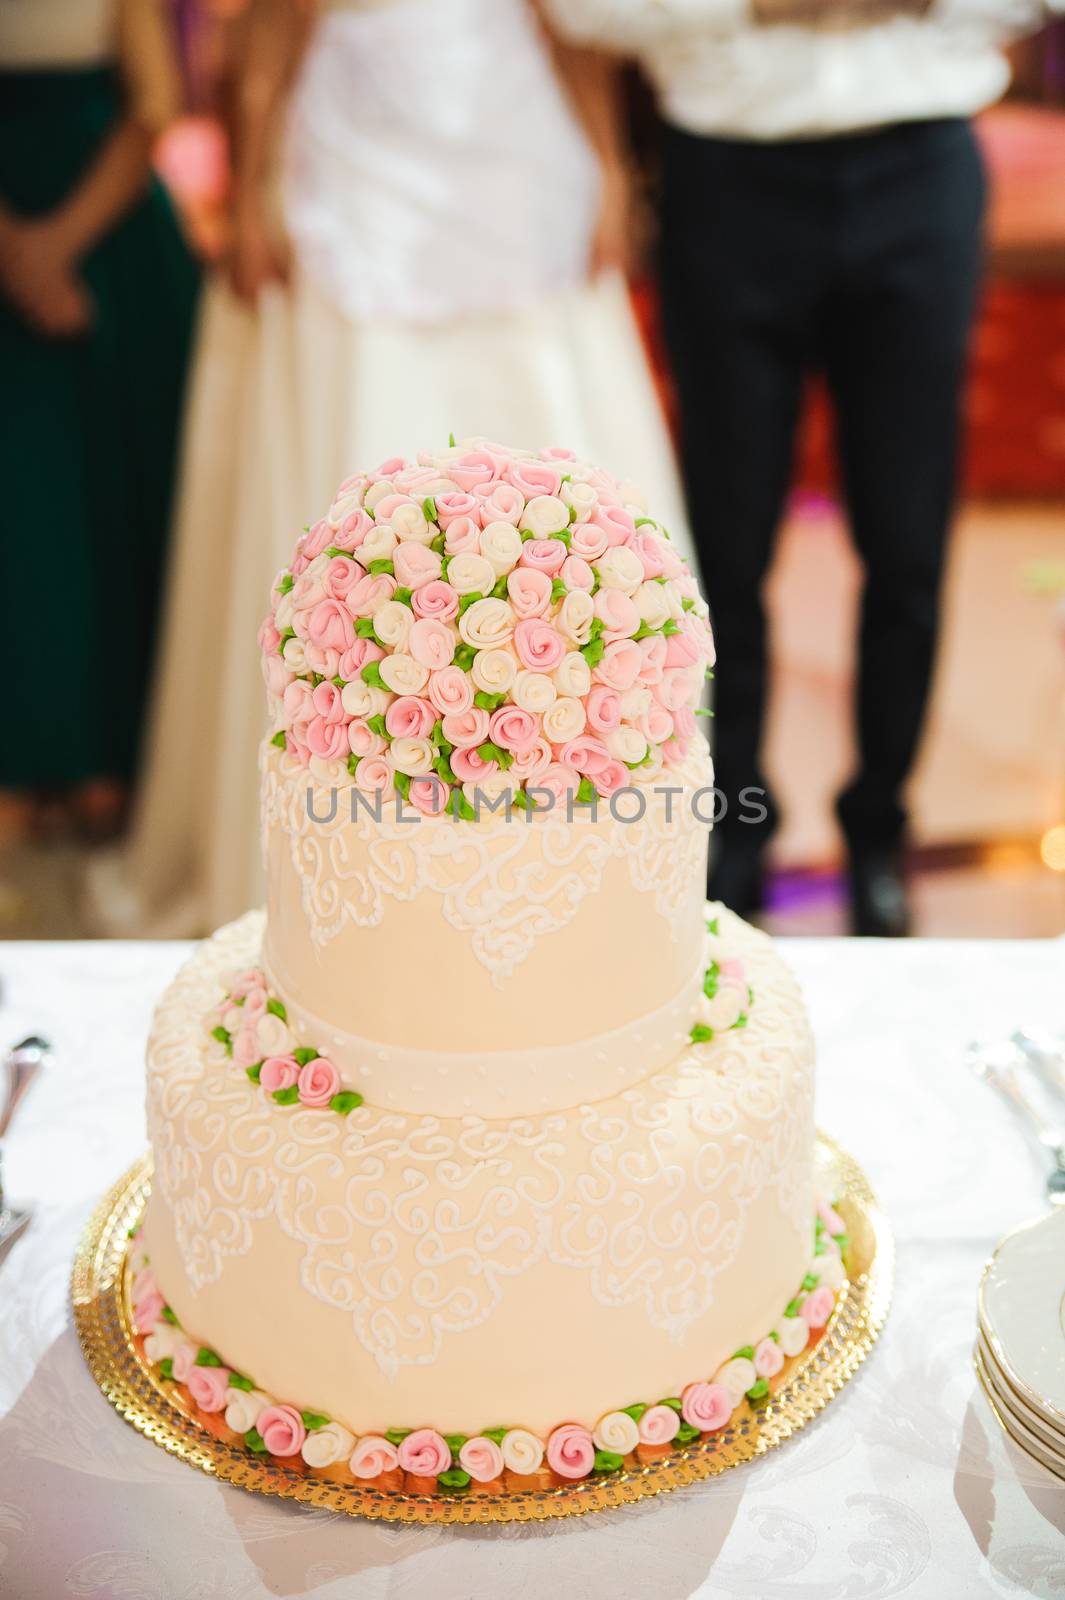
x=39 y=275
x=259 y=254
x=612 y=242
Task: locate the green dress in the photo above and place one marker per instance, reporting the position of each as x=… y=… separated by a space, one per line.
x=88 y=444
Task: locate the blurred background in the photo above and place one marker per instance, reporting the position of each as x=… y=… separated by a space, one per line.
x=987 y=849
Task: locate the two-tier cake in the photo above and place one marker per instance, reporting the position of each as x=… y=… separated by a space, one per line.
x=484 y=1157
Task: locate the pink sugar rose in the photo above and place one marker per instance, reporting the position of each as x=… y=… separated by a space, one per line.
x=674 y=751
x=650 y=550
x=474 y=468
x=588 y=540
x=469 y=766
x=368 y=596
x=831 y=1217
x=436 y=599
x=340 y=577
x=658 y=1425
x=429 y=795
x=424 y=1453
x=456 y=503
x=529 y=591
x=329 y=624
x=556 y=780
x=299 y=566
x=682 y=650
x=325 y=662
x=431 y=643
x=618 y=614
x=327 y=739
x=276 y=675
x=653 y=665
x=532 y=478
x=208 y=1385
x=544 y=555
x=512 y=728
x=619 y=666
x=389 y=467
x=676 y=688
x=616 y=523
x=352 y=531
x=373 y=1456
x=373 y=772
x=318 y=1082
x=389 y=504
x=325 y=698
x=768 y=1358
x=706 y=1406
x=410 y=717
x=570 y=1451
x=362 y=741
x=268 y=636
x=281 y=1430
x=577 y=574
x=315 y=540
x=589 y=756
x=245 y=982
x=245 y=1048
x=147 y=1311
x=532 y=761
x=450 y=690
x=306 y=593
x=817 y=1307
x=672 y=565
x=733 y=967
x=610 y=778
x=603 y=709
x=482 y=1459
x=463 y=536
x=143 y=1285
x=466 y=727
x=278 y=1072
x=415 y=480
x=502 y=503
x=539 y=646
x=184 y=1359
x=254 y=1005
x=355 y=658
x=415 y=564
x=684 y=722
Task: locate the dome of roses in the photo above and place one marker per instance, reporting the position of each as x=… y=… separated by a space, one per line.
x=490 y=619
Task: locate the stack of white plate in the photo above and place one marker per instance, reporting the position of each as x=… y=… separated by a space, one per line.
x=1020 y=1345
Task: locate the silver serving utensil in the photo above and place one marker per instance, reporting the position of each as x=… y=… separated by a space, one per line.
x=22 y=1065
x=1045 y=1054
x=1001 y=1065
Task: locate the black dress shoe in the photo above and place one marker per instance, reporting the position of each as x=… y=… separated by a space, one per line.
x=737 y=878
x=880 y=901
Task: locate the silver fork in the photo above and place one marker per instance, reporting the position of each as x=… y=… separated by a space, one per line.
x=1000 y=1066
x=22 y=1065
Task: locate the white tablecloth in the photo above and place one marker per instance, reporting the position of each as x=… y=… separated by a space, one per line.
x=905 y=1486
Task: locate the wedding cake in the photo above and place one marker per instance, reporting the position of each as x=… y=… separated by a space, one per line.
x=484 y=1156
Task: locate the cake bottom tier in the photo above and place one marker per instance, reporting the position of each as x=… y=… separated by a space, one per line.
x=397 y=1272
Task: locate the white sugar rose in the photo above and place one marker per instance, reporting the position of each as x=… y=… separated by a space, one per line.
x=162 y=1341
x=403 y=675
x=652 y=603
x=635 y=703
x=626 y=744
x=544 y=515
x=284 y=612
x=494 y=671
x=793 y=1335
x=650 y=768
x=294 y=656
x=736 y=1377
x=487 y=624
x=522 y=1451
x=573 y=675
x=501 y=546
x=534 y=691
x=726 y=1007
x=580 y=497
x=324 y=1446
x=378 y=545
x=343 y=506
x=273 y=1037
x=564 y=720
x=674 y=599
x=408 y=522
x=575 y=616
x=330 y=774
x=392 y=623
x=244 y=1408
x=632 y=497
x=378 y=492
x=491 y=790
x=362 y=699
x=470 y=574
x=829 y=1269
x=620 y=568
x=413 y=756
x=616 y=1432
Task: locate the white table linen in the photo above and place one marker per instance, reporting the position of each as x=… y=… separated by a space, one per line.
x=905 y=1486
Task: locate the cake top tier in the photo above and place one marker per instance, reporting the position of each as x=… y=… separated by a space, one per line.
x=484 y=620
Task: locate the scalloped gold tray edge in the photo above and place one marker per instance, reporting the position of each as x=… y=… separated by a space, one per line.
x=115 y=1359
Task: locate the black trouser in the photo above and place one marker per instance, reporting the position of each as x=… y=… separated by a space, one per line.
x=859 y=256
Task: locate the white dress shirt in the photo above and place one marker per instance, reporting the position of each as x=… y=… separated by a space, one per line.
x=716 y=70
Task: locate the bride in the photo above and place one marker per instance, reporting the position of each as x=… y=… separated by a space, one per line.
x=434 y=248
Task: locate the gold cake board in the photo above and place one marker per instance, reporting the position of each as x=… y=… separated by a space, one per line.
x=164 y=1414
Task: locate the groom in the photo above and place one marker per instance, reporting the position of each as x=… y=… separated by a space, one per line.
x=822 y=206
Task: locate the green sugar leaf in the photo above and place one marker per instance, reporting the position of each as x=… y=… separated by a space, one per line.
x=168 y=1316
x=520 y=799
x=237 y=1380
x=221 y=1034
x=380 y=567
x=455 y=1441
x=499 y=589
x=353 y=764
x=712 y=925
x=314 y=1419
x=429 y=508
x=347 y=1100
x=758 y=1393
x=670 y=627
x=559 y=590
x=287 y=1097
x=607 y=1461
x=166 y=1368
x=460 y=807
x=673 y=1402
x=276 y=1008
x=404 y=596
x=792 y=1308
x=451 y=440
x=376 y=724
x=688 y=603
x=254 y=1070
x=207 y=1358
x=303 y=1054
x=468 y=600
x=587 y=792
x=286 y=584
x=442 y=768
x=254 y=1441
x=701 y=1033
x=454 y=1479
x=487 y=702
x=364 y=628
x=686 y=1433
x=636 y=1411
x=402 y=783
x=437 y=544
x=370 y=673
x=464 y=657
x=593 y=652
x=396 y=1436
x=644 y=522
x=495 y=1434
x=745 y=1354
x=279 y=741
x=710 y=980
x=811 y=1280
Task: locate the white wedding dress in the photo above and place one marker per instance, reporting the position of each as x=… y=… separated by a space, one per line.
x=440 y=197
